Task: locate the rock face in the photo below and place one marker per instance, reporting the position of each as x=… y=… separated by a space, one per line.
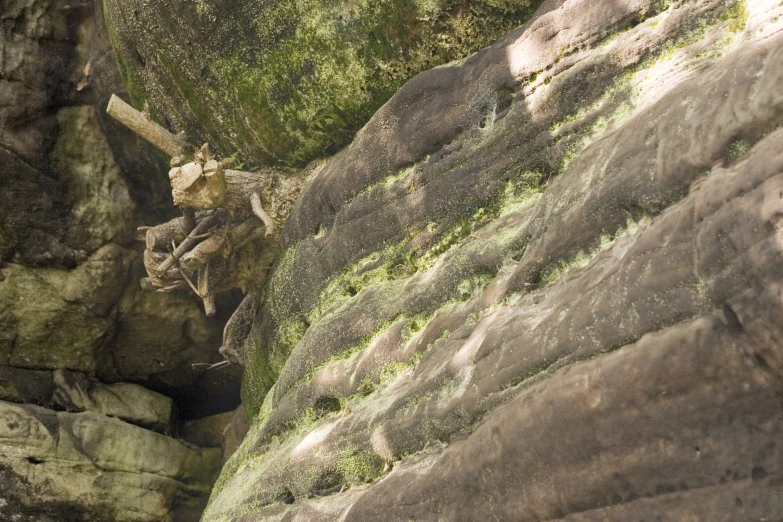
x=80 y=438
x=288 y=80
x=69 y=293
x=59 y=466
x=543 y=284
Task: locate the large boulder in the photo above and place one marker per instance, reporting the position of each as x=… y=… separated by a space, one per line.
x=85 y=467
x=287 y=80
x=543 y=284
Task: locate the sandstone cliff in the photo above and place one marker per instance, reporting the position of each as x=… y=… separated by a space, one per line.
x=542 y=281
x=540 y=284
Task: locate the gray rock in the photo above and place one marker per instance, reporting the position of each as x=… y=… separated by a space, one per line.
x=69 y=296
x=101 y=210
x=206 y=432
x=132 y=403
x=234 y=433
x=40 y=70
x=62 y=319
x=26 y=386
x=539 y=285
x=86 y=466
x=68 y=210
x=76 y=392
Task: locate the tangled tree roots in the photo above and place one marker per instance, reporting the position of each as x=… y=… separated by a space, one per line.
x=225 y=238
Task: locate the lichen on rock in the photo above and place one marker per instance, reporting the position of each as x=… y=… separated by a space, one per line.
x=292 y=80
x=527 y=270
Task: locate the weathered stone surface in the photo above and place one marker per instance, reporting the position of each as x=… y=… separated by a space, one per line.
x=287 y=80
x=132 y=403
x=96 y=319
x=56 y=318
x=69 y=295
x=101 y=210
x=206 y=432
x=50 y=192
x=540 y=285
x=144 y=169
x=76 y=392
x=88 y=467
x=68 y=258
x=26 y=386
x=40 y=73
x=234 y=433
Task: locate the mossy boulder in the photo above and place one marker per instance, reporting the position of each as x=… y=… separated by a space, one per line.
x=289 y=80
x=539 y=285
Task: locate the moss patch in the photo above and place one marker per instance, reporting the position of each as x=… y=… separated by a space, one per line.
x=290 y=80
x=557 y=271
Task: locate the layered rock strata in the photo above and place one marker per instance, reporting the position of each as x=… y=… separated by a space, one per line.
x=543 y=284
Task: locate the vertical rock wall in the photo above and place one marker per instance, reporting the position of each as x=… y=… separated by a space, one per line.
x=543 y=284
x=77 y=440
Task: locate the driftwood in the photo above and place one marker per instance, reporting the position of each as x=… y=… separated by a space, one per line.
x=223 y=239
x=189 y=242
x=136 y=121
x=200 y=184
x=158 y=238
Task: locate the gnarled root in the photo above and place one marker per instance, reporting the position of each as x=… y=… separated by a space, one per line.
x=204 y=260
x=238 y=328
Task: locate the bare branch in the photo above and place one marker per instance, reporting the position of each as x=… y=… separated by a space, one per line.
x=162 y=139
x=186 y=245
x=258 y=210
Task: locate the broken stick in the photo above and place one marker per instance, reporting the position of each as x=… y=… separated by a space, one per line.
x=169 y=143
x=188 y=243
x=237 y=237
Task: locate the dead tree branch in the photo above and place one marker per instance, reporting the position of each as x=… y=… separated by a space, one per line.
x=136 y=121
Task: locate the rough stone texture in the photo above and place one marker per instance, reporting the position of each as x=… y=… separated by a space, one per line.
x=206 y=432
x=87 y=467
x=101 y=209
x=540 y=285
x=144 y=169
x=76 y=392
x=289 y=80
x=38 y=72
x=74 y=187
x=26 y=386
x=96 y=319
x=130 y=402
x=69 y=261
x=234 y=433
x=59 y=318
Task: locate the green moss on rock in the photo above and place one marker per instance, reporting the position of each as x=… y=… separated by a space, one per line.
x=359 y=466
x=289 y=80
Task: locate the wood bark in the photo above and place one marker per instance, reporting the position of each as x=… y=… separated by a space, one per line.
x=136 y=121
x=187 y=244
x=237 y=237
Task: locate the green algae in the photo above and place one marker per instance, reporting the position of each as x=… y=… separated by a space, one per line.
x=620 y=97
x=359 y=466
